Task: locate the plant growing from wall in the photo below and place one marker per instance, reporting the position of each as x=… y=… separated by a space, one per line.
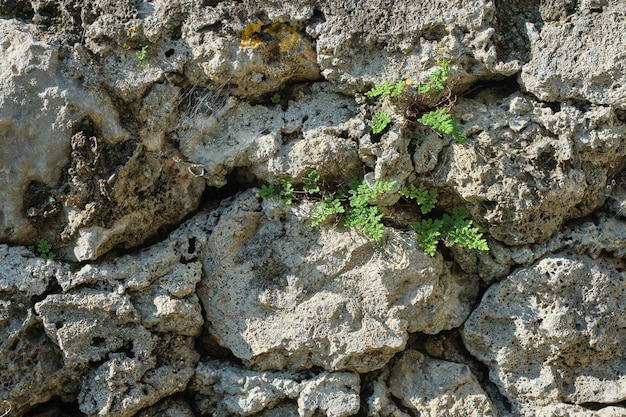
x=43 y=250
x=438 y=119
x=380 y=122
x=142 y=53
x=357 y=208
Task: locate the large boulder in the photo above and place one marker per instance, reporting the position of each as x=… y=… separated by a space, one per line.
x=549 y=333
x=282 y=295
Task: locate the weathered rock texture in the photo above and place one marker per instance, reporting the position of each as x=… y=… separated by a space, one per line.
x=281 y=296
x=136 y=134
x=559 y=340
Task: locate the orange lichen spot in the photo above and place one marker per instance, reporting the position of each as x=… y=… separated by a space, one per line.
x=257 y=35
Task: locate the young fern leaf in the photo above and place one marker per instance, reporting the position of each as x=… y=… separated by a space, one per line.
x=443 y=122
x=331 y=206
x=363 y=215
x=287 y=192
x=426 y=199
x=428 y=234
x=268 y=192
x=310 y=183
x=387 y=89
x=460 y=231
x=380 y=122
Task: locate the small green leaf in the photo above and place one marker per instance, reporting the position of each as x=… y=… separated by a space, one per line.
x=44 y=246
x=380 y=122
x=267 y=191
x=428 y=234
x=310 y=183
x=287 y=192
x=143 y=52
x=441 y=121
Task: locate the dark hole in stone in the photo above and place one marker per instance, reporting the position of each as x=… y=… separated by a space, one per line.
x=39 y=203
x=56 y=407
x=97 y=341
x=169 y=53
x=192 y=245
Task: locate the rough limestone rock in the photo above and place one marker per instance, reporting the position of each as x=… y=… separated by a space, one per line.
x=331 y=298
x=581 y=58
x=253 y=54
x=432 y=387
x=85 y=185
x=604 y=235
x=32 y=85
x=549 y=333
x=224 y=390
x=137 y=319
x=317 y=131
x=31 y=366
x=407 y=32
x=531 y=167
x=136 y=134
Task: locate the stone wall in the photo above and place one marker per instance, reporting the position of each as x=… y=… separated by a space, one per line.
x=136 y=136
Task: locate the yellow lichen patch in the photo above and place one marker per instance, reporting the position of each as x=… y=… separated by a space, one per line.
x=286 y=35
x=252 y=36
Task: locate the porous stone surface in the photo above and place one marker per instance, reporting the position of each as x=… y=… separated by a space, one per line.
x=85 y=183
x=223 y=390
x=31 y=365
x=330 y=298
x=136 y=319
x=581 y=57
x=532 y=166
x=136 y=136
x=432 y=387
x=549 y=332
x=406 y=32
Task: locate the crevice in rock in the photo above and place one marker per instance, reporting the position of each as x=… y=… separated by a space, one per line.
x=503 y=86
x=238 y=180
x=600 y=406
x=20 y=9
x=367 y=389
x=53 y=287
x=65 y=406
x=398 y=403
x=208 y=348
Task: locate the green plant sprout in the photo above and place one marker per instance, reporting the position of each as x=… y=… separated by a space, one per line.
x=442 y=121
x=268 y=192
x=451 y=229
x=287 y=192
x=380 y=122
x=358 y=209
x=437 y=79
x=387 y=89
x=329 y=206
x=275 y=98
x=439 y=119
x=143 y=52
x=43 y=250
x=361 y=213
x=426 y=199
x=311 y=183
